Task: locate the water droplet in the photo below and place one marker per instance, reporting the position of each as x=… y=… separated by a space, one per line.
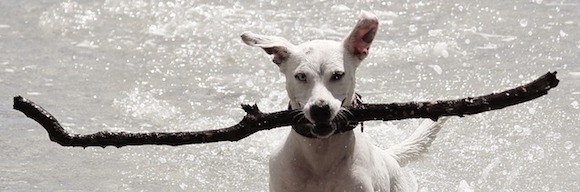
x=523 y=22
x=437 y=69
x=412 y=28
x=568 y=145
x=575 y=105
x=563 y=34
x=417 y=49
x=532 y=111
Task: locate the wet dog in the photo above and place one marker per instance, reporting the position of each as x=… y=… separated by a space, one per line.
x=320 y=81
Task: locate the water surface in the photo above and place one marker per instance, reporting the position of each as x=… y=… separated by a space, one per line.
x=154 y=65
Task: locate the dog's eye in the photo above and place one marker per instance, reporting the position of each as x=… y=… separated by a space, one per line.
x=337 y=75
x=300 y=77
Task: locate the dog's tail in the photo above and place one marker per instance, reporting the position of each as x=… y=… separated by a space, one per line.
x=416 y=145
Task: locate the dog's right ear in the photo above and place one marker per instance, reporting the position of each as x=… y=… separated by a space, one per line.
x=276 y=46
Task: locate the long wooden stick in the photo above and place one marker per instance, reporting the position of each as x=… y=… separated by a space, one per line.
x=255 y=120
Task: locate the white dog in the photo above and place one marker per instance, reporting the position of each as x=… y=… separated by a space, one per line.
x=320 y=80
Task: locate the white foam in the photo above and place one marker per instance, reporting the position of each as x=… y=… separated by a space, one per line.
x=440 y=50
x=33 y=93
x=575 y=105
x=464 y=187
x=574 y=73
x=340 y=7
x=87 y=44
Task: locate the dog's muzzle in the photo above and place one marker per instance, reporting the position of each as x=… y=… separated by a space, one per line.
x=322 y=124
x=321 y=114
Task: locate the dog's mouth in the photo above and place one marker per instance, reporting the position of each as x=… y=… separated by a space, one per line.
x=321 y=129
x=316 y=130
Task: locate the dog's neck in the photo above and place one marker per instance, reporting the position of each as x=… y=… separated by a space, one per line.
x=323 y=156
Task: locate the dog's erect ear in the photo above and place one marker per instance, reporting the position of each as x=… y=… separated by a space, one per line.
x=276 y=46
x=360 y=38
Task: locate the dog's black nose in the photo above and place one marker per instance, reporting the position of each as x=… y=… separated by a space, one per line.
x=320 y=113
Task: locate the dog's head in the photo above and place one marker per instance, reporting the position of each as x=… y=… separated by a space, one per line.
x=320 y=74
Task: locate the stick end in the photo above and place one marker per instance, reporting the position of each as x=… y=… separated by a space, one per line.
x=553 y=81
x=17 y=101
x=251 y=109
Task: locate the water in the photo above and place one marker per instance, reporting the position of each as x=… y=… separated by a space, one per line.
x=150 y=65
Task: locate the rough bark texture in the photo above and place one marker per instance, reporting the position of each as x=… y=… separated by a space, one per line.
x=255 y=120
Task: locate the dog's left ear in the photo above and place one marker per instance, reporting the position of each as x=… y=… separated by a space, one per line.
x=276 y=46
x=360 y=38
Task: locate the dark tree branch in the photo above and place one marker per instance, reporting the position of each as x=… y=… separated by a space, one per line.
x=459 y=107
x=255 y=120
